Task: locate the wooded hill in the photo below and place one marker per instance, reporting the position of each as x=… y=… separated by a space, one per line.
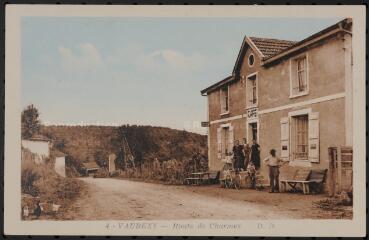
x=94 y=143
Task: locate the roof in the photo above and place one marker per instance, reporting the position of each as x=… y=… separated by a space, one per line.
x=57 y=153
x=270 y=49
x=39 y=137
x=90 y=165
x=270 y=46
x=342 y=26
x=266 y=47
x=218 y=84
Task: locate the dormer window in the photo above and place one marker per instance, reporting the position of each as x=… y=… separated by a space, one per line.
x=299 y=76
x=224 y=100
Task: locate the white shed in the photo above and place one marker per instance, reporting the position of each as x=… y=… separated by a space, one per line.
x=39 y=145
x=59 y=162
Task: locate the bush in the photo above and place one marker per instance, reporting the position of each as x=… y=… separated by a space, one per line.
x=44 y=185
x=60 y=190
x=170 y=171
x=114 y=174
x=101 y=173
x=73 y=168
x=29 y=175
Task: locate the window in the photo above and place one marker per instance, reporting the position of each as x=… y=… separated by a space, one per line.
x=252 y=91
x=224 y=100
x=251 y=60
x=254 y=98
x=301 y=136
x=225 y=141
x=299 y=76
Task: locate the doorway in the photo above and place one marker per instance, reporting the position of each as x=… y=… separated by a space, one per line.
x=253 y=131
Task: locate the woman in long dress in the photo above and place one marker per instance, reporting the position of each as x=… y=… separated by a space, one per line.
x=246 y=150
x=255 y=154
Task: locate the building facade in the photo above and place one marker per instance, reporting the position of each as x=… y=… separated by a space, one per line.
x=295 y=97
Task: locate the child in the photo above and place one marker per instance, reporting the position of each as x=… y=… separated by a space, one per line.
x=252 y=173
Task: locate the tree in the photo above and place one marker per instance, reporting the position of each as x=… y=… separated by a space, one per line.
x=100 y=159
x=30 y=121
x=59 y=144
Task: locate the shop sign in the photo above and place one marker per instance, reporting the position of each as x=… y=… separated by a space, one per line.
x=252 y=113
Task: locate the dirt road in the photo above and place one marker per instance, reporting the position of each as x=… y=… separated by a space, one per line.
x=116 y=199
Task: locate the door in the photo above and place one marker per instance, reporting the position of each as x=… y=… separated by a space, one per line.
x=254 y=131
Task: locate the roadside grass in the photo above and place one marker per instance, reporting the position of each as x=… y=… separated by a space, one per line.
x=172 y=172
x=41 y=184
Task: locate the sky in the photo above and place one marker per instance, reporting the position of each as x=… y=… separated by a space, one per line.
x=144 y=71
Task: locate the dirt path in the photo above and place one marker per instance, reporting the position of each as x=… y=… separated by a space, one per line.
x=115 y=199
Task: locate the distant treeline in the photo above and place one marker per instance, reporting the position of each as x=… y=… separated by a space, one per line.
x=94 y=143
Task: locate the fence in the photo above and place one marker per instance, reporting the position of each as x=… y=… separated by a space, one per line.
x=171 y=171
x=340 y=169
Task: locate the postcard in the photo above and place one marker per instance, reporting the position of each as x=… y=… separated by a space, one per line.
x=185 y=120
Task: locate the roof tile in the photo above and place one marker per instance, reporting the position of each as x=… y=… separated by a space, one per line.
x=270 y=47
x=39 y=137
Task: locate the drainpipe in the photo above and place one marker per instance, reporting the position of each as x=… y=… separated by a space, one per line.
x=347 y=48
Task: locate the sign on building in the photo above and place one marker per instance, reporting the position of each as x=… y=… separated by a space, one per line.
x=252 y=113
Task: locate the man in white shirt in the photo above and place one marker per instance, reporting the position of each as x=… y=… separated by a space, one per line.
x=274 y=163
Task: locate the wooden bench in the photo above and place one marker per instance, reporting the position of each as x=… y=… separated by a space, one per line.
x=212 y=177
x=305 y=178
x=316 y=180
x=202 y=178
x=192 y=181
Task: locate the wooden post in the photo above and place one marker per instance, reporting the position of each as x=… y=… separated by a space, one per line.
x=332 y=153
x=339 y=170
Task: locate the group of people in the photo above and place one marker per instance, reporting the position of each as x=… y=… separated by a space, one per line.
x=246 y=157
x=244 y=154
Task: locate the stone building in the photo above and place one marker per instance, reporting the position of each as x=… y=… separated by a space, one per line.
x=295 y=97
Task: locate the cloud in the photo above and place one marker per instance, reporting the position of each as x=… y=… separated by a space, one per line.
x=169 y=59
x=194 y=126
x=85 y=58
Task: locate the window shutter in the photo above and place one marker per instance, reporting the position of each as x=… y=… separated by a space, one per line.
x=285 y=135
x=314 y=137
x=230 y=138
x=219 y=142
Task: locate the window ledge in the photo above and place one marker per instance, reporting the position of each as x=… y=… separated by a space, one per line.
x=299 y=94
x=224 y=113
x=251 y=106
